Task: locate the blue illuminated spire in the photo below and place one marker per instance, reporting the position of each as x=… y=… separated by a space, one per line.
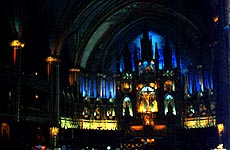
x=157 y=56
x=167 y=51
x=127 y=59
x=135 y=58
x=146 y=45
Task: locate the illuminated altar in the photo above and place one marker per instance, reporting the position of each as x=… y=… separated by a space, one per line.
x=98 y=124
x=200 y=122
x=145 y=100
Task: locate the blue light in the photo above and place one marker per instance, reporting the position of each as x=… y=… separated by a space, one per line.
x=190 y=83
x=206 y=83
x=211 y=81
x=156 y=38
x=197 y=82
x=174 y=61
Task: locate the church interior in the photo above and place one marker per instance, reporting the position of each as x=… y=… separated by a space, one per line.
x=98 y=74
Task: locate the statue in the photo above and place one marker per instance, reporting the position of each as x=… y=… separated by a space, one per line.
x=169 y=101
x=155 y=105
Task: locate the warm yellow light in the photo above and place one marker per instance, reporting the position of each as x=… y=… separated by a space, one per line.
x=136 y=127
x=150 y=140
x=99 y=124
x=126 y=85
x=54 y=131
x=200 y=122
x=215 y=18
x=140 y=86
x=74 y=70
x=220 y=128
x=51 y=59
x=68 y=123
x=160 y=127
x=141 y=108
x=168 y=83
x=17 y=44
x=5 y=129
x=152 y=85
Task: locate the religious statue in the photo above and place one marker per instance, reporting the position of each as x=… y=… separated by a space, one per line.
x=169 y=101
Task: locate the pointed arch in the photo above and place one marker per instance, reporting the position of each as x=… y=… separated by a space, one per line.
x=110 y=113
x=169 y=101
x=127 y=107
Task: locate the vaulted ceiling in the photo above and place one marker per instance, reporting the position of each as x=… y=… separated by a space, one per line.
x=90 y=33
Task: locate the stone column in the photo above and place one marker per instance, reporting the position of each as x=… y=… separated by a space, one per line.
x=17 y=46
x=221 y=69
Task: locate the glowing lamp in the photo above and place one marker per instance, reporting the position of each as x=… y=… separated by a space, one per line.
x=74 y=70
x=16 y=44
x=54 y=131
x=220 y=128
x=215 y=19
x=73 y=75
x=150 y=140
x=126 y=85
x=51 y=59
x=136 y=127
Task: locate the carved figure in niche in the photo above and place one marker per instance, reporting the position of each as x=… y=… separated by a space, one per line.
x=168 y=86
x=127 y=107
x=155 y=106
x=146 y=97
x=152 y=103
x=148 y=120
x=97 y=112
x=203 y=110
x=127 y=113
x=169 y=101
x=110 y=112
x=85 y=112
x=141 y=106
x=152 y=64
x=140 y=68
x=151 y=98
x=190 y=110
x=144 y=103
x=213 y=107
x=110 y=108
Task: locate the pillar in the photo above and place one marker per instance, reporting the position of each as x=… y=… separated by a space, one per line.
x=17 y=46
x=221 y=70
x=54 y=99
